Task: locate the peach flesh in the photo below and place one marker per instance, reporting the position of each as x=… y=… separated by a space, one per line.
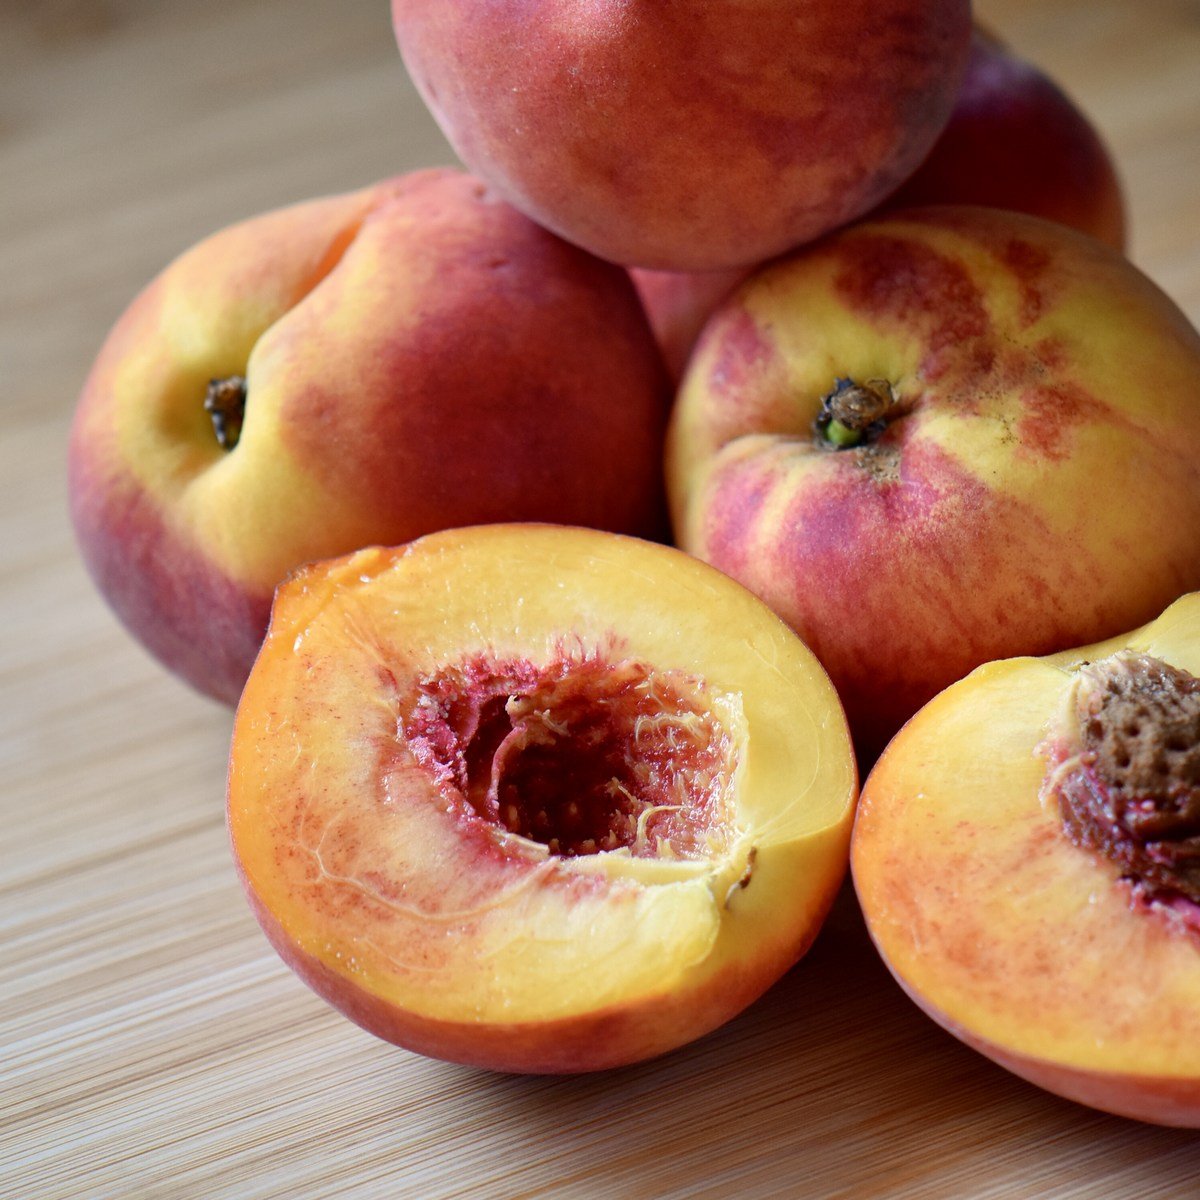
x=414 y=712
x=1029 y=930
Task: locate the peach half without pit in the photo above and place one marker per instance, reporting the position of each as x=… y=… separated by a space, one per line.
x=535 y=798
x=1027 y=855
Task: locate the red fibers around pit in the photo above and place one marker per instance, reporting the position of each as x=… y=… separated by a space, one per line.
x=1150 y=870
x=1126 y=778
x=581 y=755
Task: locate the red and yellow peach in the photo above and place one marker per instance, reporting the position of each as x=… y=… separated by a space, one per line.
x=939 y=438
x=413 y=356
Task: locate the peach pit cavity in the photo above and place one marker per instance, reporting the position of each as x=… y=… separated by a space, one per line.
x=582 y=755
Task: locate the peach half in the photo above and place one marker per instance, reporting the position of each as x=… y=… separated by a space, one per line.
x=534 y=798
x=1027 y=855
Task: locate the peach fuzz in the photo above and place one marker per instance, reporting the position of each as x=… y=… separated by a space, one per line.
x=677 y=304
x=416 y=355
x=1040 y=943
x=688 y=136
x=1016 y=140
x=1026 y=472
x=536 y=799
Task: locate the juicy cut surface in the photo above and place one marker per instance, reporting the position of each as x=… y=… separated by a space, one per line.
x=582 y=755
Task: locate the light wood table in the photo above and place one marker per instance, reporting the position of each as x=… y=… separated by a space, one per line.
x=152 y=1044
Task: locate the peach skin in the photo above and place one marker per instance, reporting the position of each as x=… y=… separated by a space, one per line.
x=1016 y=140
x=941 y=437
x=409 y=357
x=688 y=136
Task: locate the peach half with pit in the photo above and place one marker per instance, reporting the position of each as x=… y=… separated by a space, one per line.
x=536 y=799
x=360 y=369
x=1027 y=856
x=942 y=437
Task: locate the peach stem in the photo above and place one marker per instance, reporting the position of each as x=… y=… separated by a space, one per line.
x=225 y=403
x=854 y=412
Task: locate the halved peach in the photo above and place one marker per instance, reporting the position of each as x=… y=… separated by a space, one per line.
x=1027 y=855
x=536 y=798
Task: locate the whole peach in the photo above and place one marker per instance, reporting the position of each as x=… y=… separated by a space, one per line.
x=409 y=357
x=1016 y=140
x=688 y=136
x=943 y=437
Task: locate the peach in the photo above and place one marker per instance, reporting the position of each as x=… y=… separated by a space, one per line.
x=943 y=437
x=1027 y=855
x=536 y=799
x=409 y=357
x=688 y=137
x=1016 y=140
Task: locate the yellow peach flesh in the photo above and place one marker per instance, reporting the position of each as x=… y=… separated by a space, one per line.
x=349 y=847
x=1023 y=944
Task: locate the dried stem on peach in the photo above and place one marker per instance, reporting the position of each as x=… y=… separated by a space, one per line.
x=225 y=403
x=854 y=413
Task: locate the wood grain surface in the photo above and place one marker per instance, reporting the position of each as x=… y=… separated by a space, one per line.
x=152 y=1044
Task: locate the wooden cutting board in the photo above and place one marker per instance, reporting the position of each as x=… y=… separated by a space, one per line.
x=152 y=1045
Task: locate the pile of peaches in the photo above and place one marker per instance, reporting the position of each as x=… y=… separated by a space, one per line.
x=516 y=783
